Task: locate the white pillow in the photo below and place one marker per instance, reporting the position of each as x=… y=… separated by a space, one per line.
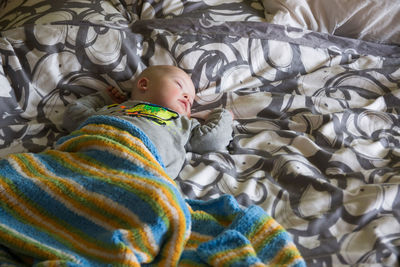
x=371 y=20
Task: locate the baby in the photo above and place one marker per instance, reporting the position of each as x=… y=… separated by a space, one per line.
x=160 y=105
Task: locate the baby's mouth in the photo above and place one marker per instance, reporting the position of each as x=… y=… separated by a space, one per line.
x=185 y=104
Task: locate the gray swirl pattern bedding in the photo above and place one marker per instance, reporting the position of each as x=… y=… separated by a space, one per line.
x=317 y=124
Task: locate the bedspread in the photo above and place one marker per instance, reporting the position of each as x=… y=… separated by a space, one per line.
x=317 y=127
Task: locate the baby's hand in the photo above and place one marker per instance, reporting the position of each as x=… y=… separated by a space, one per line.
x=116 y=95
x=203 y=115
x=232 y=114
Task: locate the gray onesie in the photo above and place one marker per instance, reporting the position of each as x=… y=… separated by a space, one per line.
x=171 y=133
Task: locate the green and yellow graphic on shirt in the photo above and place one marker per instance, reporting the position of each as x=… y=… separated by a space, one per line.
x=156 y=113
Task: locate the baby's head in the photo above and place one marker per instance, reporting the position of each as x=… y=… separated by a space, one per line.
x=167 y=86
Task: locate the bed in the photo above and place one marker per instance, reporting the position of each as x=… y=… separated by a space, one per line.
x=314 y=88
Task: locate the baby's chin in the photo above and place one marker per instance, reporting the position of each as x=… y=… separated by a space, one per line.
x=184 y=114
x=180 y=111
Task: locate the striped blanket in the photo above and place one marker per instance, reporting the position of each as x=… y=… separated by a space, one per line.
x=102 y=197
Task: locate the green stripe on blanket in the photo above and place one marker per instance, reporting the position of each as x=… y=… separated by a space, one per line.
x=102 y=197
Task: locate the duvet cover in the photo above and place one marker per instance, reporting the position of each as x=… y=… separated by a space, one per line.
x=317 y=127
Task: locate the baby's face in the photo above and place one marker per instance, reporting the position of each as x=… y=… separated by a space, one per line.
x=172 y=88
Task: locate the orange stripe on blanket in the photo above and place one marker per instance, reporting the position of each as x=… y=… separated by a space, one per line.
x=286 y=256
x=195 y=240
x=15 y=239
x=226 y=257
x=265 y=232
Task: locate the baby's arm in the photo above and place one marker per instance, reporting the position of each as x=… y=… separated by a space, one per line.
x=214 y=135
x=84 y=107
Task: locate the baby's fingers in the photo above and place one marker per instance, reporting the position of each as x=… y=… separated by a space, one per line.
x=116 y=94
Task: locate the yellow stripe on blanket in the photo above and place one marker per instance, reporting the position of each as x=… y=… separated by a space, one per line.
x=15 y=239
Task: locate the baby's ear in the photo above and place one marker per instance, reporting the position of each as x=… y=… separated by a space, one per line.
x=142 y=83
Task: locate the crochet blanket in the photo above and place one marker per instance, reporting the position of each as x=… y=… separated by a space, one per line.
x=102 y=197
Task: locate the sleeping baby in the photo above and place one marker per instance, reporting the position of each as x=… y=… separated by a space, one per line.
x=160 y=105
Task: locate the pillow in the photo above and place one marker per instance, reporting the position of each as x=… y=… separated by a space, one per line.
x=370 y=20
